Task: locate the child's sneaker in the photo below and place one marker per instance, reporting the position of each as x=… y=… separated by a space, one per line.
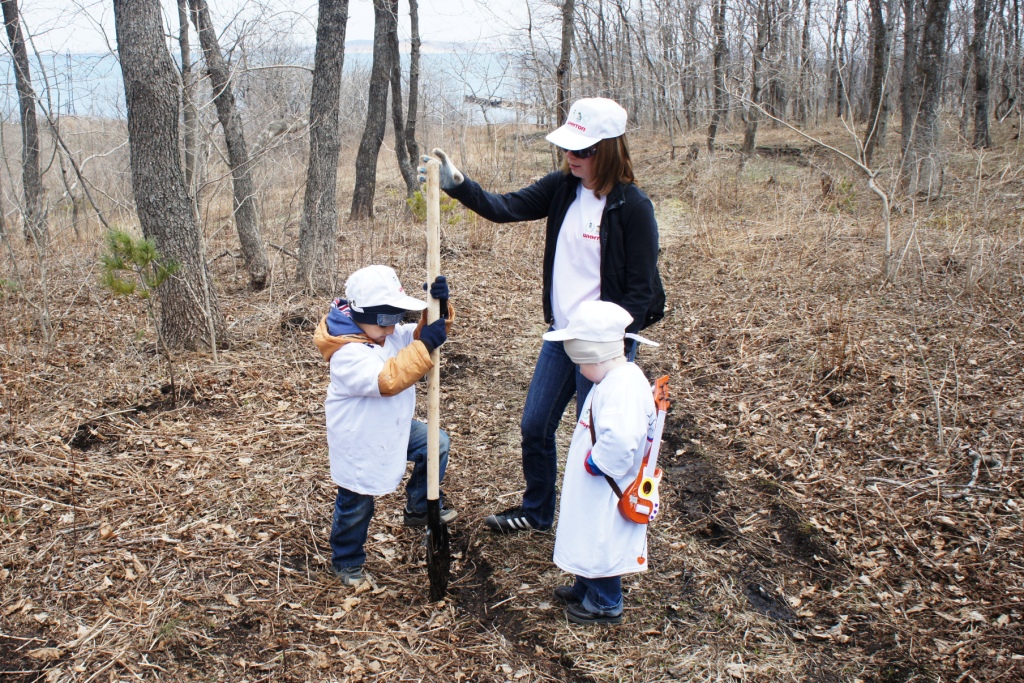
x=410 y=518
x=567 y=595
x=350 y=576
x=578 y=614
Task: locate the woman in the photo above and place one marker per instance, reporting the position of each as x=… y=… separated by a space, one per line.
x=601 y=244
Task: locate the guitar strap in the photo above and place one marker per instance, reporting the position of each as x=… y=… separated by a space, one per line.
x=593 y=442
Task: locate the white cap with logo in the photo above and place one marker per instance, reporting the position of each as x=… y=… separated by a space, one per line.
x=375 y=286
x=590 y=120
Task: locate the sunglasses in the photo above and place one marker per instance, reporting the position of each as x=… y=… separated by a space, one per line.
x=583 y=153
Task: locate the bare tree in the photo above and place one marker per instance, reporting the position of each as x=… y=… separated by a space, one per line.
x=319 y=209
x=804 y=100
x=881 y=44
x=414 y=82
x=188 y=89
x=405 y=165
x=384 y=12
x=564 y=71
x=31 y=176
x=979 y=55
x=922 y=163
x=721 y=50
x=190 y=312
x=761 y=41
x=246 y=211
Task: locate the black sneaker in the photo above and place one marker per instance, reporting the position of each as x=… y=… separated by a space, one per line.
x=578 y=614
x=420 y=518
x=565 y=594
x=511 y=521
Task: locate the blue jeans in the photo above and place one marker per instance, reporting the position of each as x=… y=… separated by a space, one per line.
x=353 y=511
x=556 y=379
x=602 y=595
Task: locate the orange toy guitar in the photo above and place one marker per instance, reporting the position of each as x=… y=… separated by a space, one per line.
x=640 y=502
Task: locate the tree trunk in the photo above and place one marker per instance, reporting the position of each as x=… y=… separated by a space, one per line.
x=757 y=58
x=189 y=311
x=721 y=50
x=188 y=90
x=376 y=112
x=414 y=83
x=922 y=161
x=316 y=269
x=397 y=115
x=881 y=44
x=246 y=210
x=979 y=53
x=564 y=71
x=804 y=101
x=31 y=177
x=909 y=88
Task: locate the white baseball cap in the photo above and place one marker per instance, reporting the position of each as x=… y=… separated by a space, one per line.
x=590 y=120
x=375 y=286
x=597 y=321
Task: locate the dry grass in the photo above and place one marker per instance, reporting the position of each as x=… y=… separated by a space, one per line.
x=819 y=526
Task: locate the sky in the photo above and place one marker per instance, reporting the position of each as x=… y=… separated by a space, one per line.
x=88 y=25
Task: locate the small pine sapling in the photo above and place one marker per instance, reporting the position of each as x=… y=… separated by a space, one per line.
x=133 y=267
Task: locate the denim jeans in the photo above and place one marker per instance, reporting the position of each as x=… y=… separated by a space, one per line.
x=555 y=380
x=353 y=511
x=602 y=595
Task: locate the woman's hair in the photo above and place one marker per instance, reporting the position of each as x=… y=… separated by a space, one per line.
x=611 y=165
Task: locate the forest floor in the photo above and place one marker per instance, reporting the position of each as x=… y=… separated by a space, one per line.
x=844 y=457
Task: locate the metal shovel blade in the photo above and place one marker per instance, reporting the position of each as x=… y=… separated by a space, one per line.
x=439 y=551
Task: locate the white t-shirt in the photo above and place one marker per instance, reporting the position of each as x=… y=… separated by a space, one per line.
x=577 y=270
x=368 y=434
x=593 y=539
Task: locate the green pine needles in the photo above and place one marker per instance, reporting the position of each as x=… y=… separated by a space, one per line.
x=132 y=266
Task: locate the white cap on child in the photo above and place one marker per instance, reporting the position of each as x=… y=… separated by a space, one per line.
x=374 y=286
x=595 y=332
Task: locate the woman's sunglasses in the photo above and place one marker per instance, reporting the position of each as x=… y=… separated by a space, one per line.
x=583 y=153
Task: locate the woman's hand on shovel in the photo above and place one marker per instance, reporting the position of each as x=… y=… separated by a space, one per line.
x=449 y=176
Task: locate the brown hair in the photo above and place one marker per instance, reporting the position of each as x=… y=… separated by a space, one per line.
x=611 y=165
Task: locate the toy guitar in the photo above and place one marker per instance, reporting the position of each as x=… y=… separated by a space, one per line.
x=640 y=502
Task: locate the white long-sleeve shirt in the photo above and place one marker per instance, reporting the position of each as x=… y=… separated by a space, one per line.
x=593 y=539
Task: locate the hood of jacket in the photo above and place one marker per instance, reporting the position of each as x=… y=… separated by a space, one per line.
x=336 y=329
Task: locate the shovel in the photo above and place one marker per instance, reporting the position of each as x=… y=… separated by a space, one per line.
x=439 y=555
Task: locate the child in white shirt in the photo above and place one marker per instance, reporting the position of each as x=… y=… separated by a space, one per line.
x=593 y=540
x=375 y=363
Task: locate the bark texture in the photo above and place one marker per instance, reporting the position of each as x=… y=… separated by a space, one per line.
x=376 y=111
x=979 y=53
x=319 y=207
x=718 y=72
x=564 y=69
x=922 y=160
x=881 y=44
x=31 y=177
x=246 y=209
x=190 y=315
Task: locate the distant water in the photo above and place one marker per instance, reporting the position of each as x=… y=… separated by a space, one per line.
x=91 y=84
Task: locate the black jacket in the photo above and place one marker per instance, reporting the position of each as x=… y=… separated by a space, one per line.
x=629 y=238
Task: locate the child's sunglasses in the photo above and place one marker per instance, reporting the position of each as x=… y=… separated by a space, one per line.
x=583 y=153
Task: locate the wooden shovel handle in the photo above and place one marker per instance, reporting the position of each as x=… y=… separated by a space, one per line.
x=433 y=313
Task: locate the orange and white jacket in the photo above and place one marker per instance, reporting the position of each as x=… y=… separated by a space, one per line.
x=370 y=402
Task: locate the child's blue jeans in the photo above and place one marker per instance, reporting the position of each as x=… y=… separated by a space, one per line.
x=602 y=596
x=353 y=511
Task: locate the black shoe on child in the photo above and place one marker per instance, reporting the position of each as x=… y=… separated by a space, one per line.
x=565 y=594
x=511 y=521
x=578 y=614
x=420 y=518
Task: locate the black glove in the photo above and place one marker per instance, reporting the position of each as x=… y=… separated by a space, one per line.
x=439 y=291
x=434 y=334
x=449 y=176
